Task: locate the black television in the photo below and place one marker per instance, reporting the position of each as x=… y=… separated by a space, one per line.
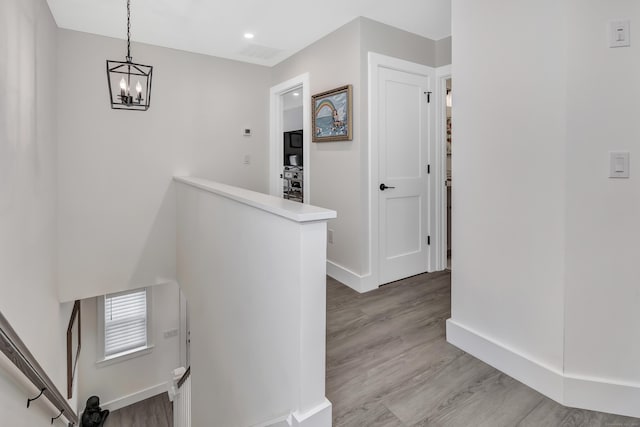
x=292 y=146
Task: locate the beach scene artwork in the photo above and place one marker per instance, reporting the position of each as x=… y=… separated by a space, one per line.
x=331 y=115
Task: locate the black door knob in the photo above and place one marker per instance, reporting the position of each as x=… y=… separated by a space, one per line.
x=384 y=187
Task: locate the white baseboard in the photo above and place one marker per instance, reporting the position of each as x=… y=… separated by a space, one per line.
x=136 y=397
x=355 y=281
x=320 y=416
x=601 y=395
x=595 y=394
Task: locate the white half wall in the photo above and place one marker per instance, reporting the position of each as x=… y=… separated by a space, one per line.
x=117 y=204
x=125 y=382
x=253 y=269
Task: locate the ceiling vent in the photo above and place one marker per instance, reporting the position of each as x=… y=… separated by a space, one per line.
x=260 y=52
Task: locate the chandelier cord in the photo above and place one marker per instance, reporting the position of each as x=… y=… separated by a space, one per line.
x=128 y=30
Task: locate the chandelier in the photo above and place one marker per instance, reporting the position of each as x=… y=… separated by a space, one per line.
x=120 y=76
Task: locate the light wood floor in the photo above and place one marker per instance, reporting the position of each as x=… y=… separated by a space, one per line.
x=388 y=364
x=156 y=411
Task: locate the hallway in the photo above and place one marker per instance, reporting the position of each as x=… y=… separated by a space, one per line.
x=388 y=364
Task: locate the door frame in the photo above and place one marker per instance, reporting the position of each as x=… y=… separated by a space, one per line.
x=442 y=75
x=377 y=61
x=276 y=128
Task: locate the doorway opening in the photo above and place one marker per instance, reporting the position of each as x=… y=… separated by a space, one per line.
x=444 y=188
x=289 y=164
x=448 y=103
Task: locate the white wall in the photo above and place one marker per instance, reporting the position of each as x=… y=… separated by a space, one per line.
x=508 y=221
x=545 y=270
x=340 y=174
x=331 y=62
x=146 y=374
x=602 y=228
x=28 y=289
x=256 y=286
x=117 y=204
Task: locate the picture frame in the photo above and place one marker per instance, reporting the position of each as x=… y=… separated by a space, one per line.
x=74 y=333
x=332 y=115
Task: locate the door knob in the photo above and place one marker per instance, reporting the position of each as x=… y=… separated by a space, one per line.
x=384 y=187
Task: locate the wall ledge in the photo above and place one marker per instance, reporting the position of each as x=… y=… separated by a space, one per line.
x=299 y=212
x=596 y=394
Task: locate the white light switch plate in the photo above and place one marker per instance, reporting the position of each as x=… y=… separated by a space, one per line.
x=618 y=164
x=619 y=33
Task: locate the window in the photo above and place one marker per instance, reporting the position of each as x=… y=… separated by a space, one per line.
x=126 y=325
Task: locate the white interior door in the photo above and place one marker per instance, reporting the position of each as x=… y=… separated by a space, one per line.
x=403 y=146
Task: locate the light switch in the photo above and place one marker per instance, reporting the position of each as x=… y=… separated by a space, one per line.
x=619 y=33
x=618 y=164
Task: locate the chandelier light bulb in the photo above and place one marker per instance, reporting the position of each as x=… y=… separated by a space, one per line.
x=138 y=88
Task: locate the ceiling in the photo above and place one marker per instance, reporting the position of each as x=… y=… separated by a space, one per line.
x=281 y=27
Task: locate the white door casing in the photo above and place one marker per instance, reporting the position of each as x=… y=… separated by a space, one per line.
x=402 y=136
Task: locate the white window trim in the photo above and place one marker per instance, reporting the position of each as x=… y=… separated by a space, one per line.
x=130 y=354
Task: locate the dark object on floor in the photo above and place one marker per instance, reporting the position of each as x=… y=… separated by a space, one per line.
x=93 y=416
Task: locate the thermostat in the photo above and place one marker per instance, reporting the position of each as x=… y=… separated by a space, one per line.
x=246 y=131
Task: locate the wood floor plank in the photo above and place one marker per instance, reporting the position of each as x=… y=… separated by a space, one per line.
x=388 y=364
x=157 y=411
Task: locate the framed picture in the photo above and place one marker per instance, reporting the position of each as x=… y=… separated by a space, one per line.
x=333 y=115
x=73 y=346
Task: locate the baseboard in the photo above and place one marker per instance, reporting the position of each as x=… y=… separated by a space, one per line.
x=602 y=395
x=320 y=416
x=594 y=394
x=544 y=379
x=136 y=397
x=357 y=282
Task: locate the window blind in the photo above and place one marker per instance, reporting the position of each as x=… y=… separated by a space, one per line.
x=125 y=322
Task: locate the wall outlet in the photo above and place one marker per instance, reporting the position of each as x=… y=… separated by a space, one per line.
x=247 y=159
x=170 y=333
x=329 y=235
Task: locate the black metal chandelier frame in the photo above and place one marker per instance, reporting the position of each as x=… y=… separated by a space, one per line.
x=123 y=71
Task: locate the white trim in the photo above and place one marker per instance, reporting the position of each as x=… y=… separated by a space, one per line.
x=440 y=231
x=127 y=355
x=602 y=395
x=136 y=397
x=276 y=129
x=596 y=394
x=375 y=61
x=298 y=212
x=544 y=379
x=320 y=416
x=357 y=282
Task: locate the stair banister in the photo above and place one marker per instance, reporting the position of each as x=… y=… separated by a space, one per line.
x=18 y=353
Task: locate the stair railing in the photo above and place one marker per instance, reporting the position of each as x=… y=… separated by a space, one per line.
x=18 y=353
